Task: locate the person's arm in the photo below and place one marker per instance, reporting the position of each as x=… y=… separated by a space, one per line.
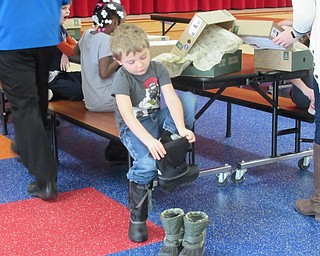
x=175 y=107
x=107 y=67
x=307 y=91
x=154 y=145
x=301 y=23
x=304 y=13
x=67 y=47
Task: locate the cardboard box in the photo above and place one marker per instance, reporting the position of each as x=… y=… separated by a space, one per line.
x=159 y=47
x=199 y=21
x=158 y=38
x=230 y=62
x=283 y=60
x=258 y=33
x=73 y=27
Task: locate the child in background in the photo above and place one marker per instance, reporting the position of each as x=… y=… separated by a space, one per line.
x=63 y=84
x=142 y=122
x=97 y=65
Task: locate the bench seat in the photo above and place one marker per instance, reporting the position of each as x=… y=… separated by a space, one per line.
x=101 y=123
x=252 y=99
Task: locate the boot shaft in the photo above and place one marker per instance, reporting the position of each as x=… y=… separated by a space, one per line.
x=174 y=163
x=139 y=195
x=172 y=223
x=195 y=223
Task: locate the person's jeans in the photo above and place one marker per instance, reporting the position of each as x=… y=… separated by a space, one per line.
x=317 y=114
x=144 y=168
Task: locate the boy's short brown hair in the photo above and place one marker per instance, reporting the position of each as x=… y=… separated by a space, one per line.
x=128 y=38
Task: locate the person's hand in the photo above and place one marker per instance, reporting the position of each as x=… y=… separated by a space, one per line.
x=188 y=134
x=64 y=62
x=311 y=98
x=156 y=149
x=285 y=38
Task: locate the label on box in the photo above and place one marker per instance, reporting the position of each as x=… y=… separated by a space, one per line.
x=195 y=26
x=286 y=55
x=274 y=32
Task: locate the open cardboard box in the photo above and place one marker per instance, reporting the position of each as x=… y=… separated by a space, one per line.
x=258 y=33
x=284 y=60
x=230 y=62
x=199 y=21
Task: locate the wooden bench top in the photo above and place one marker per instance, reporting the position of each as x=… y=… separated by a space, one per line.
x=253 y=99
x=102 y=123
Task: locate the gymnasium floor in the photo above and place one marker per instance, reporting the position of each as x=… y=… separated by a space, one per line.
x=255 y=217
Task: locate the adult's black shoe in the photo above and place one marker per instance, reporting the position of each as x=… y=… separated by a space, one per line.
x=47 y=191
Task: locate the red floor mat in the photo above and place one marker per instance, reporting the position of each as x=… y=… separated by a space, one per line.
x=81 y=222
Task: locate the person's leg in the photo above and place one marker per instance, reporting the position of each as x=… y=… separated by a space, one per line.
x=18 y=73
x=67 y=85
x=43 y=57
x=140 y=176
x=311 y=206
x=189 y=104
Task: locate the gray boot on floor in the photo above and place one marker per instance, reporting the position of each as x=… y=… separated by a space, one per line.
x=172 y=222
x=195 y=224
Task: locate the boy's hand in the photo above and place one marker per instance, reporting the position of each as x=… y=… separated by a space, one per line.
x=156 y=149
x=64 y=62
x=188 y=134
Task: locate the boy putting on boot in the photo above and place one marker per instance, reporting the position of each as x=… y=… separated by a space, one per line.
x=144 y=126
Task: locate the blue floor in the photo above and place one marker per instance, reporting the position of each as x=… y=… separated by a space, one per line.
x=255 y=217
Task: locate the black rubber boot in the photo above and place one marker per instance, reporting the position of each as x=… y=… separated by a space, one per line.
x=138 y=206
x=173 y=168
x=172 y=223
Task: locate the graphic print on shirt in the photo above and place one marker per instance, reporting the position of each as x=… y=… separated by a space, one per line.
x=150 y=103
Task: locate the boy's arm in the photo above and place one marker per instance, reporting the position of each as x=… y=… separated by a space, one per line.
x=175 y=107
x=67 y=47
x=125 y=107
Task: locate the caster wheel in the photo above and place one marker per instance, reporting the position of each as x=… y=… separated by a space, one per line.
x=302 y=165
x=220 y=181
x=236 y=179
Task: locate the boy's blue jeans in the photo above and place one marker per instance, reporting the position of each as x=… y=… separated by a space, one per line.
x=144 y=168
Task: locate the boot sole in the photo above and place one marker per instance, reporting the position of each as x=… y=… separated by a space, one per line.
x=169 y=186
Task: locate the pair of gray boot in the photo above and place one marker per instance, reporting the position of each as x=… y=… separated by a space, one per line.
x=185 y=233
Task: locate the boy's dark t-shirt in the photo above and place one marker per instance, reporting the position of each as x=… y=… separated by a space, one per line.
x=144 y=90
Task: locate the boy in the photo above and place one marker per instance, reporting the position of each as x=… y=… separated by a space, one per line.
x=141 y=121
x=63 y=84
